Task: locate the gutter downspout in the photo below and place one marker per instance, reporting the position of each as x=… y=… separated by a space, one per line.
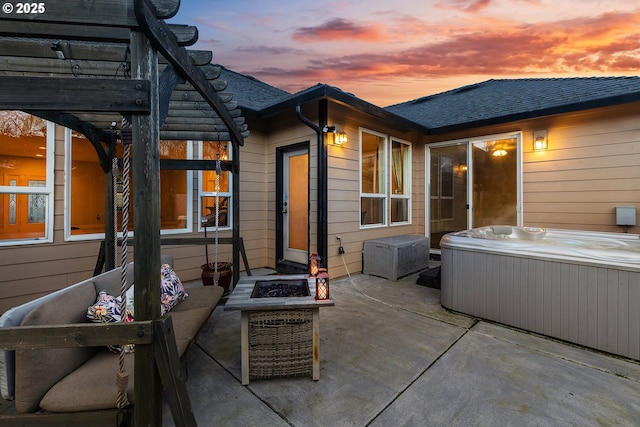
x=322 y=230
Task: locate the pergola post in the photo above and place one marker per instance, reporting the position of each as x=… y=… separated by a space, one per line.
x=146 y=218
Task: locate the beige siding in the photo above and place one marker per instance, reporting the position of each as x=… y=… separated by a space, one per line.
x=344 y=191
x=590 y=167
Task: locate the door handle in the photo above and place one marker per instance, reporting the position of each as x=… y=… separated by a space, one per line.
x=284 y=208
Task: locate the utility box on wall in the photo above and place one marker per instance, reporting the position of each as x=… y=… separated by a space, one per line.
x=626 y=215
x=396 y=256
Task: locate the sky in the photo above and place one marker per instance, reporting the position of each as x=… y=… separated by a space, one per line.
x=392 y=51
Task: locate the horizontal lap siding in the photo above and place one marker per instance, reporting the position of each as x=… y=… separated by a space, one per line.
x=592 y=306
x=589 y=168
x=344 y=191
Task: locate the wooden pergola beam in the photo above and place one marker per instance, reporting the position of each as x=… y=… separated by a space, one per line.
x=113 y=13
x=87 y=94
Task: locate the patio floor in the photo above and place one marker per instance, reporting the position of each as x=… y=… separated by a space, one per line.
x=392 y=356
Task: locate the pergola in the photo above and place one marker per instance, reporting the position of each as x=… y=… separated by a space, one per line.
x=86 y=65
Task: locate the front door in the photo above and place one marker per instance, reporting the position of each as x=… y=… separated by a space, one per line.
x=293 y=208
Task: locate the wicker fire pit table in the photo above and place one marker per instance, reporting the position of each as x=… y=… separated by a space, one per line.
x=280 y=326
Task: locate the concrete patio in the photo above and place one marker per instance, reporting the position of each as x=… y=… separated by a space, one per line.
x=392 y=356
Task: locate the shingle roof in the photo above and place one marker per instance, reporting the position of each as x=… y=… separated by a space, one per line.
x=253 y=94
x=504 y=100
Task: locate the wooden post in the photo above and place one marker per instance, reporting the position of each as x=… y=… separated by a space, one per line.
x=146 y=218
x=109 y=231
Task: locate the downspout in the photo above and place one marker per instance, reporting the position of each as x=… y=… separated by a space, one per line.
x=322 y=230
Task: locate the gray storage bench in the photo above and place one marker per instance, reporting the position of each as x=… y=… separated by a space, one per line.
x=396 y=256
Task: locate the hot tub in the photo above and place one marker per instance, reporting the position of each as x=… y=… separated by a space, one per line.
x=581 y=287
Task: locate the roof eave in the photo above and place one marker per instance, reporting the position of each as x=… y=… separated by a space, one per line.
x=331 y=93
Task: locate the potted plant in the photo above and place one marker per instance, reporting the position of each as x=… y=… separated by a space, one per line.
x=211 y=269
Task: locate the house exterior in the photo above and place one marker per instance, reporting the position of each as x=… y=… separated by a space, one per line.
x=425 y=167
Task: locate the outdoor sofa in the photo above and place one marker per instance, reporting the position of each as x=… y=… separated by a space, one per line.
x=81 y=379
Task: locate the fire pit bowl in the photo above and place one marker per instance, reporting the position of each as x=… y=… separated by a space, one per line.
x=281 y=288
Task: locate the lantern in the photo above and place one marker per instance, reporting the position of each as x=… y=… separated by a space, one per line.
x=322 y=285
x=314 y=264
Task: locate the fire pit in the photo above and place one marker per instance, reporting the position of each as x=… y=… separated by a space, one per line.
x=280 y=289
x=280 y=331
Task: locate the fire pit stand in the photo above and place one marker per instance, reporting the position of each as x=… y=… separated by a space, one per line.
x=280 y=326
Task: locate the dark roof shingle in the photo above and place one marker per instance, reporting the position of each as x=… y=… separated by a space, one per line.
x=502 y=100
x=253 y=94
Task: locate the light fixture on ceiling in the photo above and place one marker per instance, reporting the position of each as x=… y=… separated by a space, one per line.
x=540 y=141
x=499 y=152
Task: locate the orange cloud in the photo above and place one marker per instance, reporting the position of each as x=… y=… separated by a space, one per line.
x=338 y=29
x=607 y=44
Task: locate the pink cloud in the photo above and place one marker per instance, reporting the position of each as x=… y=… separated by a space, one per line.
x=338 y=29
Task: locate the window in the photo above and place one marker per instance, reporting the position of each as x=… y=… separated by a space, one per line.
x=385 y=180
x=400 y=182
x=373 y=179
x=85 y=196
x=26 y=178
x=213 y=188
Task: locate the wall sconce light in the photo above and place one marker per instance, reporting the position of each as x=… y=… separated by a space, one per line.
x=340 y=138
x=540 y=140
x=322 y=285
x=55 y=46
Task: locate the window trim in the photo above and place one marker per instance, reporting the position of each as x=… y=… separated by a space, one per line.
x=383 y=195
x=387 y=195
x=48 y=190
x=228 y=194
x=405 y=196
x=68 y=237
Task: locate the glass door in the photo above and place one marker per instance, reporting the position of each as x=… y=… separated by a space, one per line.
x=473 y=184
x=448 y=191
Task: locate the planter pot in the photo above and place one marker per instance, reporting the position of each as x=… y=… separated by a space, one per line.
x=225 y=272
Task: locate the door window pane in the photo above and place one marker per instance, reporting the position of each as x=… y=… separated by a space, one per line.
x=494 y=182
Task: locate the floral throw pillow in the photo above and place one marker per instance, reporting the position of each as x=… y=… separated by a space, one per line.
x=171 y=288
x=107 y=310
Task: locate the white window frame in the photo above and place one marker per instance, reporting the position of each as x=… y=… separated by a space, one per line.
x=407 y=177
x=47 y=190
x=228 y=194
x=100 y=236
x=384 y=195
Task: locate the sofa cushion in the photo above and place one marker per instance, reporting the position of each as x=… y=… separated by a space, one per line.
x=92 y=386
x=200 y=296
x=38 y=370
x=187 y=324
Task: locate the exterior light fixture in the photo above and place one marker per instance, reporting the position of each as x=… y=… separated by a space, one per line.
x=322 y=285
x=55 y=46
x=500 y=152
x=540 y=141
x=340 y=138
x=314 y=264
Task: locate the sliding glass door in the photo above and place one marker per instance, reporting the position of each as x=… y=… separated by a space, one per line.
x=472 y=183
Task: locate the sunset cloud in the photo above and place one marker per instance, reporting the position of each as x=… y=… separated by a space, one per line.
x=338 y=29
x=368 y=47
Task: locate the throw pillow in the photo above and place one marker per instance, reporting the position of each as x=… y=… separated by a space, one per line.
x=107 y=310
x=171 y=288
